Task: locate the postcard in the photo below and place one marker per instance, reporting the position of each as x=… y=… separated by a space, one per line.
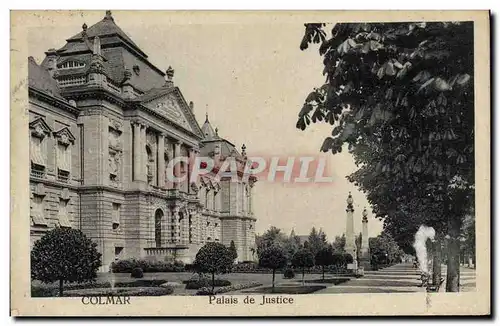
x=198 y=163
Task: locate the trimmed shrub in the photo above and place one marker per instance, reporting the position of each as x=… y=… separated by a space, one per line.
x=139 y=292
x=189 y=268
x=140 y=283
x=51 y=290
x=249 y=267
x=137 y=273
x=204 y=291
x=198 y=284
x=224 y=289
x=127 y=265
x=288 y=273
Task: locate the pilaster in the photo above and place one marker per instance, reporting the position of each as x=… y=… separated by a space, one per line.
x=161 y=161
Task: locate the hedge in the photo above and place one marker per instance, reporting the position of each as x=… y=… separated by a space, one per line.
x=198 y=284
x=140 y=292
x=53 y=290
x=128 y=265
x=224 y=289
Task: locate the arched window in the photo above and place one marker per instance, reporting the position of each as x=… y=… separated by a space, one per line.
x=158 y=223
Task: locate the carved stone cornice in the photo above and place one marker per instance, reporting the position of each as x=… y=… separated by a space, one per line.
x=90 y=92
x=60 y=103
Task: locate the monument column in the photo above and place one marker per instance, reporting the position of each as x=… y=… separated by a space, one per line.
x=350 y=244
x=161 y=160
x=365 y=246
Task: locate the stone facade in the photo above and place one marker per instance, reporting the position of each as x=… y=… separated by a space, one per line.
x=104 y=125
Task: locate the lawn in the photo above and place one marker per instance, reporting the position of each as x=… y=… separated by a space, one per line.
x=287 y=289
x=104 y=280
x=334 y=281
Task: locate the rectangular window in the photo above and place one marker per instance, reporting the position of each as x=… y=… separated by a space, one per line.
x=62 y=175
x=63 y=214
x=37 y=171
x=63 y=158
x=36 y=152
x=37 y=211
x=116 y=216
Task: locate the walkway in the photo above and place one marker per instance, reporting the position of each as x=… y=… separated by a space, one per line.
x=400 y=278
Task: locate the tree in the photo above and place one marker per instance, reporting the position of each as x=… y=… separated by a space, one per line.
x=303 y=259
x=316 y=240
x=273 y=236
x=232 y=251
x=402 y=98
x=324 y=258
x=213 y=258
x=273 y=257
x=291 y=245
x=385 y=248
x=358 y=239
x=65 y=255
x=339 y=244
x=338 y=260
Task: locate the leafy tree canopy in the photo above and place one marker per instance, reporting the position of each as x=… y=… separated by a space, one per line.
x=65 y=255
x=213 y=258
x=273 y=257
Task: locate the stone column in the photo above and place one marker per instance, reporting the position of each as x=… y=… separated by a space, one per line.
x=185 y=228
x=250 y=197
x=365 y=247
x=161 y=160
x=175 y=223
x=144 y=157
x=192 y=156
x=137 y=150
x=350 y=245
x=177 y=167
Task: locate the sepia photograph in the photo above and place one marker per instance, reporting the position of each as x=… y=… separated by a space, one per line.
x=222 y=160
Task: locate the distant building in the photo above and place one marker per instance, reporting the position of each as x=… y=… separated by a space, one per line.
x=104 y=123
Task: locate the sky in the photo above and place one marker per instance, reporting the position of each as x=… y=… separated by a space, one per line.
x=251 y=79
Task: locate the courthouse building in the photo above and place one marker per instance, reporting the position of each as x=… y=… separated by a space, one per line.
x=104 y=123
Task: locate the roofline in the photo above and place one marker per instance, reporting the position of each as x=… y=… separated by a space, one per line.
x=135 y=47
x=216 y=140
x=59 y=102
x=141 y=55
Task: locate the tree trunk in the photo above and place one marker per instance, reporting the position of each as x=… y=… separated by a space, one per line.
x=302 y=276
x=323 y=272
x=436 y=263
x=61 y=287
x=213 y=283
x=453 y=267
x=274 y=272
